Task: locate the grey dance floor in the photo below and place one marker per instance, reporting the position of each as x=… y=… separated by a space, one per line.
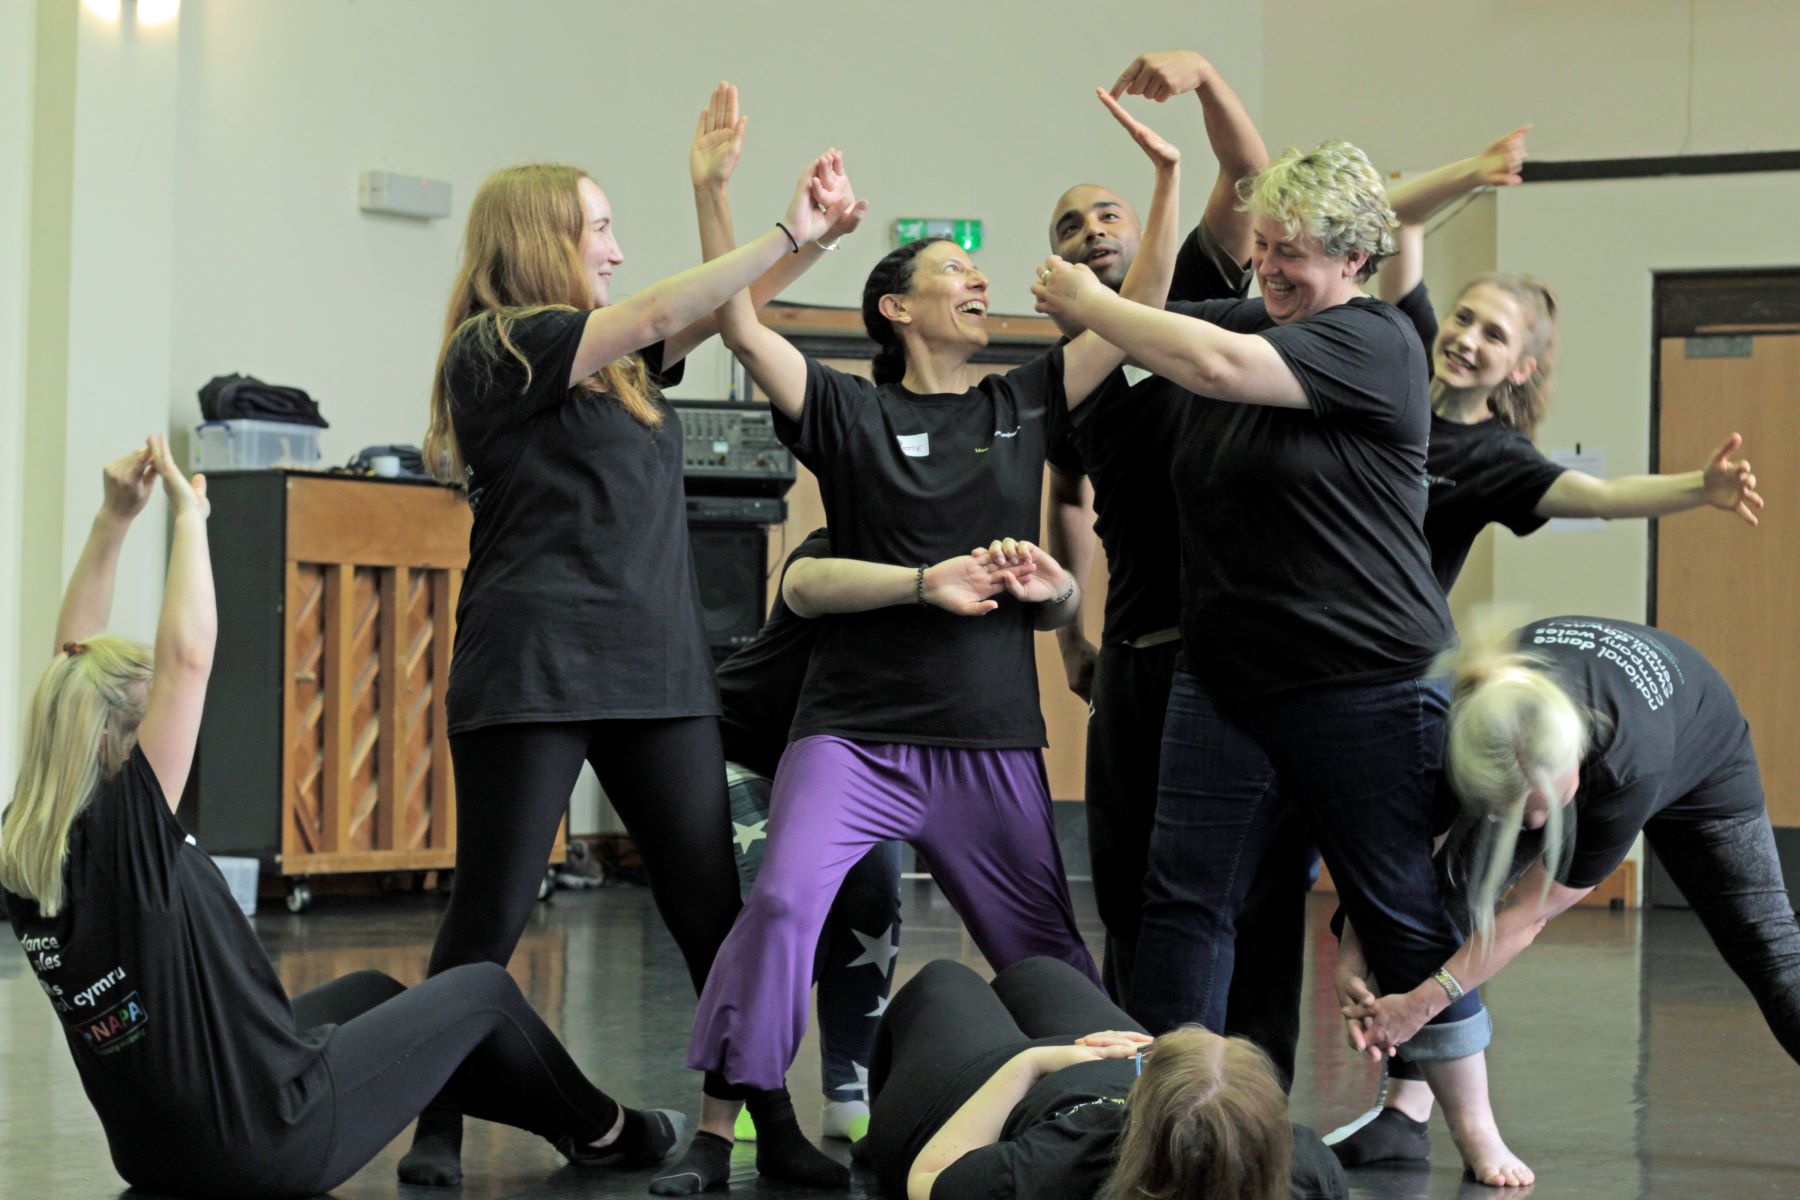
x=1629 y=1062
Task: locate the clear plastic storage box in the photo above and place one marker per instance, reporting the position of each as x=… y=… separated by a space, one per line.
x=241 y=874
x=246 y=445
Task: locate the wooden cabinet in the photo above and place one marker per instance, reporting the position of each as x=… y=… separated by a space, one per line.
x=322 y=749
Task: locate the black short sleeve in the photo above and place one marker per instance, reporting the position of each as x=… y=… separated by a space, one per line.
x=1204 y=270
x=1478 y=475
x=833 y=400
x=1344 y=359
x=1415 y=306
x=490 y=393
x=130 y=825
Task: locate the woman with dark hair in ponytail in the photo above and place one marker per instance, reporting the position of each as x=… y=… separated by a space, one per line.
x=914 y=722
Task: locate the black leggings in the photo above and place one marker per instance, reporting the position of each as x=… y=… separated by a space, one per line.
x=666 y=779
x=948 y=1030
x=467 y=1033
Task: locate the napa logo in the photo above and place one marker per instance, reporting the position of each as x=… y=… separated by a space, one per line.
x=116 y=1028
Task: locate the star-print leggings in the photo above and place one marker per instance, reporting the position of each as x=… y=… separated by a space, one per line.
x=854 y=963
x=981 y=820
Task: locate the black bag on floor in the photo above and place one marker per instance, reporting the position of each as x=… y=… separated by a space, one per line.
x=231 y=397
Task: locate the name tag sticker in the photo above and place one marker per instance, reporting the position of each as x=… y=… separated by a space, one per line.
x=915 y=445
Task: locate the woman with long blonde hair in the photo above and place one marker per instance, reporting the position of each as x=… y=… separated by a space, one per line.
x=207 y=1079
x=1038 y=1086
x=1566 y=740
x=579 y=631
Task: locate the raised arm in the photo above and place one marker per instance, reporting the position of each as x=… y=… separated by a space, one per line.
x=127 y=482
x=1196 y=354
x=1236 y=144
x=717 y=144
x=185 y=633
x=965 y=585
x=665 y=308
x=1723 y=483
x=1089 y=359
x=1417 y=199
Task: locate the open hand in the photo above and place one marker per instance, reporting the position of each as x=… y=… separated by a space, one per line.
x=127 y=482
x=1029 y=573
x=965 y=585
x=1500 y=164
x=1062 y=287
x=1116 y=1037
x=1731 y=485
x=1163 y=153
x=1161 y=74
x=185 y=495
x=718 y=139
x=821 y=198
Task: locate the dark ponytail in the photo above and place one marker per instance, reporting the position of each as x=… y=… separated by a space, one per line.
x=892 y=275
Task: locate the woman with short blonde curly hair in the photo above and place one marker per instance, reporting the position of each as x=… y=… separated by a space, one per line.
x=1310 y=616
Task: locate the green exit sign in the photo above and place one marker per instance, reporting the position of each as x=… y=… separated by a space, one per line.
x=966 y=234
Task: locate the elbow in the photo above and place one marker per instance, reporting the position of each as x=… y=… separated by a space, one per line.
x=1204 y=373
x=797 y=594
x=190 y=658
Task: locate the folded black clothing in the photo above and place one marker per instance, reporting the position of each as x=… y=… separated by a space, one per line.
x=234 y=397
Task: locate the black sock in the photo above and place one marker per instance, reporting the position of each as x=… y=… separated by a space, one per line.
x=646 y=1137
x=435 y=1159
x=706 y=1164
x=1391 y=1137
x=782 y=1151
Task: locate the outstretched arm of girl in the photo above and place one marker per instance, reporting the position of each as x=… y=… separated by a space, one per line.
x=718 y=140
x=184 y=635
x=965 y=585
x=1724 y=483
x=1416 y=200
x=87 y=602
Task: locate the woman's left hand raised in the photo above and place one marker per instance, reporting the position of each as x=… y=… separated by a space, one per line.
x=822 y=198
x=718 y=139
x=1730 y=484
x=1062 y=287
x=1163 y=153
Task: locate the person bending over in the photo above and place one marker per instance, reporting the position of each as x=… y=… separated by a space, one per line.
x=207 y=1079
x=1039 y=1087
x=1566 y=740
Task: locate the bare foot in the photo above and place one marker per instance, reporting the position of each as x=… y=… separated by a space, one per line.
x=1488 y=1159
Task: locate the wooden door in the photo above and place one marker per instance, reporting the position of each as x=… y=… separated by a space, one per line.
x=1730 y=589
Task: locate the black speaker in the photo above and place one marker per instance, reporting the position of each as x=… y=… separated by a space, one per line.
x=730 y=561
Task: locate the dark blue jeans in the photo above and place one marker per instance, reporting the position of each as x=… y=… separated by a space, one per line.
x=1361 y=763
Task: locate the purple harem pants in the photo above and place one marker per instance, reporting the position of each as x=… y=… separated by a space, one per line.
x=982 y=821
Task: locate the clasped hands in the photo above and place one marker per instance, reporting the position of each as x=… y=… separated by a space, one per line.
x=1376 y=1025
x=968 y=584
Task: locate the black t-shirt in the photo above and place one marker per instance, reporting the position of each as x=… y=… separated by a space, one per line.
x=580 y=600
x=1057 y=1144
x=912 y=480
x=181 y=1032
x=1479 y=473
x=1122 y=439
x=1303 y=552
x=759 y=686
x=1664 y=722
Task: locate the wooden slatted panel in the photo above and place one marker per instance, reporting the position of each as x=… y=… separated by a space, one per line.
x=413 y=819
x=365 y=711
x=446 y=587
x=337 y=800
x=391 y=636
x=304 y=757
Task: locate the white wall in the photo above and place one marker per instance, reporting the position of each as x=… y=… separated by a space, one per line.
x=942 y=108
x=1601 y=244
x=17 y=79
x=1420 y=82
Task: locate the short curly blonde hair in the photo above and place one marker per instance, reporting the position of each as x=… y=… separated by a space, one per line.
x=1331 y=192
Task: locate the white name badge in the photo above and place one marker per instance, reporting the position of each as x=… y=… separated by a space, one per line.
x=915 y=445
